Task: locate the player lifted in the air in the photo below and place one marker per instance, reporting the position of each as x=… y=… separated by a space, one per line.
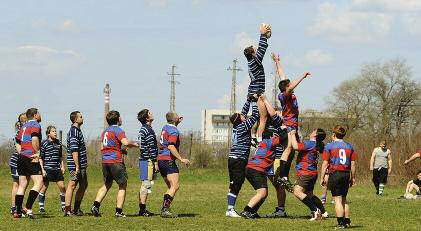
x=257 y=76
x=290 y=113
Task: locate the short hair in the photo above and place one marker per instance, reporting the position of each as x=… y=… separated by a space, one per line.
x=339 y=131
x=73 y=116
x=235 y=119
x=49 y=128
x=283 y=84
x=113 y=117
x=142 y=116
x=419 y=171
x=248 y=52
x=383 y=142
x=170 y=116
x=31 y=112
x=21 y=120
x=320 y=134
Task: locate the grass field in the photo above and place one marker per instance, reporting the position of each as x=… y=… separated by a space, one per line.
x=201 y=204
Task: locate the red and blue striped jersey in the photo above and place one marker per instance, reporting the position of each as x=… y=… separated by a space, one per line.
x=339 y=154
x=169 y=136
x=264 y=156
x=307 y=158
x=111 y=144
x=289 y=105
x=24 y=137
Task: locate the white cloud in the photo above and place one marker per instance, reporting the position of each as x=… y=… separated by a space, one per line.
x=38 y=59
x=241 y=41
x=390 y=5
x=314 y=57
x=68 y=26
x=348 y=25
x=156 y=3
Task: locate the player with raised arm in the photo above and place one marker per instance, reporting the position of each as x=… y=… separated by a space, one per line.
x=13 y=163
x=306 y=171
x=340 y=157
x=257 y=77
x=290 y=113
x=77 y=163
x=413 y=157
x=257 y=167
x=168 y=153
x=239 y=152
x=381 y=165
x=148 y=165
x=113 y=167
x=52 y=166
x=28 y=145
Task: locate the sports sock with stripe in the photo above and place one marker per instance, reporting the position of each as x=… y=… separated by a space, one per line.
x=41 y=198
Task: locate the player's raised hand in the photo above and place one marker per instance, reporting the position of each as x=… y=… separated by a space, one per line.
x=293 y=132
x=275 y=57
x=264 y=28
x=306 y=74
x=406 y=162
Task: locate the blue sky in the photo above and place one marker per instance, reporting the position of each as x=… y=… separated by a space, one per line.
x=58 y=55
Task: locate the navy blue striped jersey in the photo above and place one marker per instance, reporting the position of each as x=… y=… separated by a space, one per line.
x=13 y=162
x=255 y=67
x=76 y=143
x=241 y=135
x=148 y=143
x=51 y=152
x=246 y=108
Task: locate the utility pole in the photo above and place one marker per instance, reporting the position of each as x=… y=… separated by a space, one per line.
x=233 y=105
x=107 y=92
x=173 y=82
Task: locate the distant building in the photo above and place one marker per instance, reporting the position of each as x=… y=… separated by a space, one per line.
x=215 y=125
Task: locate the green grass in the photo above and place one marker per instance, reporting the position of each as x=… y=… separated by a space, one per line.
x=201 y=201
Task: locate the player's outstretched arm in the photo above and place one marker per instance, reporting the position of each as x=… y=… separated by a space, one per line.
x=296 y=82
x=263 y=42
x=279 y=71
x=246 y=108
x=177 y=155
x=250 y=121
x=293 y=138
x=413 y=157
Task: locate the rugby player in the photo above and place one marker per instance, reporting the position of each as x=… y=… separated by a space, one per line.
x=306 y=171
x=148 y=165
x=340 y=157
x=168 y=153
x=113 y=168
x=28 y=144
x=290 y=113
x=13 y=163
x=257 y=77
x=52 y=166
x=381 y=165
x=77 y=163
x=239 y=152
x=413 y=185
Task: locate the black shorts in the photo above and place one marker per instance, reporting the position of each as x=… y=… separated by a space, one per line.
x=338 y=183
x=167 y=167
x=28 y=168
x=53 y=176
x=116 y=172
x=237 y=173
x=380 y=175
x=307 y=182
x=256 y=178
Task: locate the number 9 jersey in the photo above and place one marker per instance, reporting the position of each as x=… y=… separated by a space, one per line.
x=339 y=154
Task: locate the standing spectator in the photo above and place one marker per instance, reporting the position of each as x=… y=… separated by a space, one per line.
x=381 y=165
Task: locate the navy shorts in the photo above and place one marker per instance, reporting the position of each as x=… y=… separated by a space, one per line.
x=167 y=167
